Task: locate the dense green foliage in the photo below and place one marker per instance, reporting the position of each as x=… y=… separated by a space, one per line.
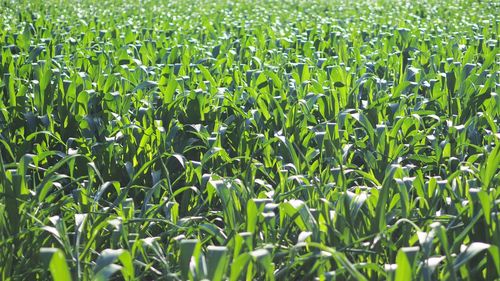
x=289 y=140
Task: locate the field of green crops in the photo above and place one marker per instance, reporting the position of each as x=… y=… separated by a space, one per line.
x=249 y=140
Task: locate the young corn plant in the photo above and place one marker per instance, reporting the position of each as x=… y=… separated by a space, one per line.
x=249 y=140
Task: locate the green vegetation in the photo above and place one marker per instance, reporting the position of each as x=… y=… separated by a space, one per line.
x=252 y=139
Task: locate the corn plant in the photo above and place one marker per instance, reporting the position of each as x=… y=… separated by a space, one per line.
x=249 y=140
